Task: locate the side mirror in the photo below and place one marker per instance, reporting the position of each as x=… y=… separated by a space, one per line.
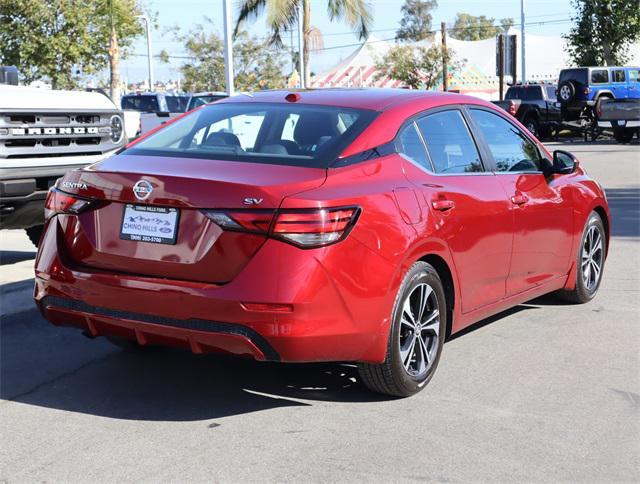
x=564 y=163
x=163 y=114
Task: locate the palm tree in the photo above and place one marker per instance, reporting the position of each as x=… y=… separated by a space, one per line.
x=282 y=15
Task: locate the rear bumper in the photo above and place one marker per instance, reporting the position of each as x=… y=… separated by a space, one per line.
x=198 y=335
x=619 y=124
x=334 y=316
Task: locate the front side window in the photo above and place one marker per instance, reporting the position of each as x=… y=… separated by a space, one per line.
x=551 y=92
x=634 y=75
x=410 y=145
x=449 y=143
x=618 y=75
x=512 y=151
x=290 y=134
x=599 y=76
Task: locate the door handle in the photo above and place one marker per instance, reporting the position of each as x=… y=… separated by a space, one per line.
x=519 y=199
x=443 y=205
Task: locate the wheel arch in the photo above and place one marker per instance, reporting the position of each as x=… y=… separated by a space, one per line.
x=604 y=216
x=444 y=272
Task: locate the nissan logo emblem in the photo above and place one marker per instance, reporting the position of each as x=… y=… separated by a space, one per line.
x=142 y=189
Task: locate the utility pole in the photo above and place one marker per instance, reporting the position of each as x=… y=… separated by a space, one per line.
x=147 y=24
x=228 y=47
x=501 y=65
x=524 y=69
x=301 y=43
x=445 y=67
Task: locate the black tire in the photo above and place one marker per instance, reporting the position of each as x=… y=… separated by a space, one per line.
x=566 y=92
x=532 y=124
x=393 y=377
x=623 y=135
x=584 y=291
x=34 y=234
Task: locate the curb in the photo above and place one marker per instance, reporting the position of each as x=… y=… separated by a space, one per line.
x=16 y=297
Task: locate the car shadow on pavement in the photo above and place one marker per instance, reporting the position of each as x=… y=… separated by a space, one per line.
x=624 y=204
x=59 y=368
x=14 y=256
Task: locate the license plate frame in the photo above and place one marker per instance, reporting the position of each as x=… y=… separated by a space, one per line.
x=151 y=224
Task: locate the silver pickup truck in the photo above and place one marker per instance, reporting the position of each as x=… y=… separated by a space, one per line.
x=620 y=115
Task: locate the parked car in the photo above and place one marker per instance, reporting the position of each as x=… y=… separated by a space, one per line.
x=352 y=225
x=535 y=106
x=581 y=88
x=620 y=115
x=200 y=98
x=155 y=108
x=43 y=134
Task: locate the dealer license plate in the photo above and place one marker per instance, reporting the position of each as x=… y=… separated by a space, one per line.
x=158 y=225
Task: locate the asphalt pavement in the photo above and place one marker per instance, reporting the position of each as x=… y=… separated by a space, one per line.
x=543 y=392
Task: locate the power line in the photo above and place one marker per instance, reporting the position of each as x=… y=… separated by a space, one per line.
x=358 y=44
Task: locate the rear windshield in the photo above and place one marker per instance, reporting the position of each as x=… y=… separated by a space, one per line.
x=528 y=93
x=285 y=134
x=576 y=75
x=145 y=104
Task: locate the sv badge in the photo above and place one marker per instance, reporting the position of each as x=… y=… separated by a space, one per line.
x=252 y=201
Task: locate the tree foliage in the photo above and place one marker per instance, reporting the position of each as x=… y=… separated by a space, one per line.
x=416 y=20
x=418 y=67
x=603 y=31
x=282 y=15
x=60 y=39
x=471 y=27
x=256 y=65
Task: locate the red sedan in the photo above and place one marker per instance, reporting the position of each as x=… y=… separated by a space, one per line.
x=331 y=225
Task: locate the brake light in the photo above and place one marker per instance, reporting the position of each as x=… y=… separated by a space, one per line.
x=303 y=228
x=586 y=91
x=513 y=109
x=61 y=202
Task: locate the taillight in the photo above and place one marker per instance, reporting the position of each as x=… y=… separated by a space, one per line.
x=61 y=202
x=513 y=109
x=307 y=228
x=586 y=91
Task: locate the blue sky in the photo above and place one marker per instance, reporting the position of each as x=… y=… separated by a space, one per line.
x=544 y=17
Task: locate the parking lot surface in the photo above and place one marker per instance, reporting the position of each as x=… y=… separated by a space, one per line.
x=543 y=392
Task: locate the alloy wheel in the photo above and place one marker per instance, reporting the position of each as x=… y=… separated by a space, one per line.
x=592 y=258
x=419 y=330
x=565 y=93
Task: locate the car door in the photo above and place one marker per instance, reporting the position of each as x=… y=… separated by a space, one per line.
x=464 y=204
x=633 y=82
x=619 y=85
x=541 y=207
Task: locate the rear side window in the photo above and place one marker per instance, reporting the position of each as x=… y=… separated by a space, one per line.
x=599 y=76
x=634 y=74
x=511 y=149
x=140 y=103
x=551 y=92
x=618 y=75
x=410 y=145
x=529 y=93
x=288 y=134
x=449 y=143
x=175 y=104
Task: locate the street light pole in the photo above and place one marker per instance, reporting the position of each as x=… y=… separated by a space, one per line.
x=524 y=68
x=301 y=43
x=147 y=24
x=228 y=48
